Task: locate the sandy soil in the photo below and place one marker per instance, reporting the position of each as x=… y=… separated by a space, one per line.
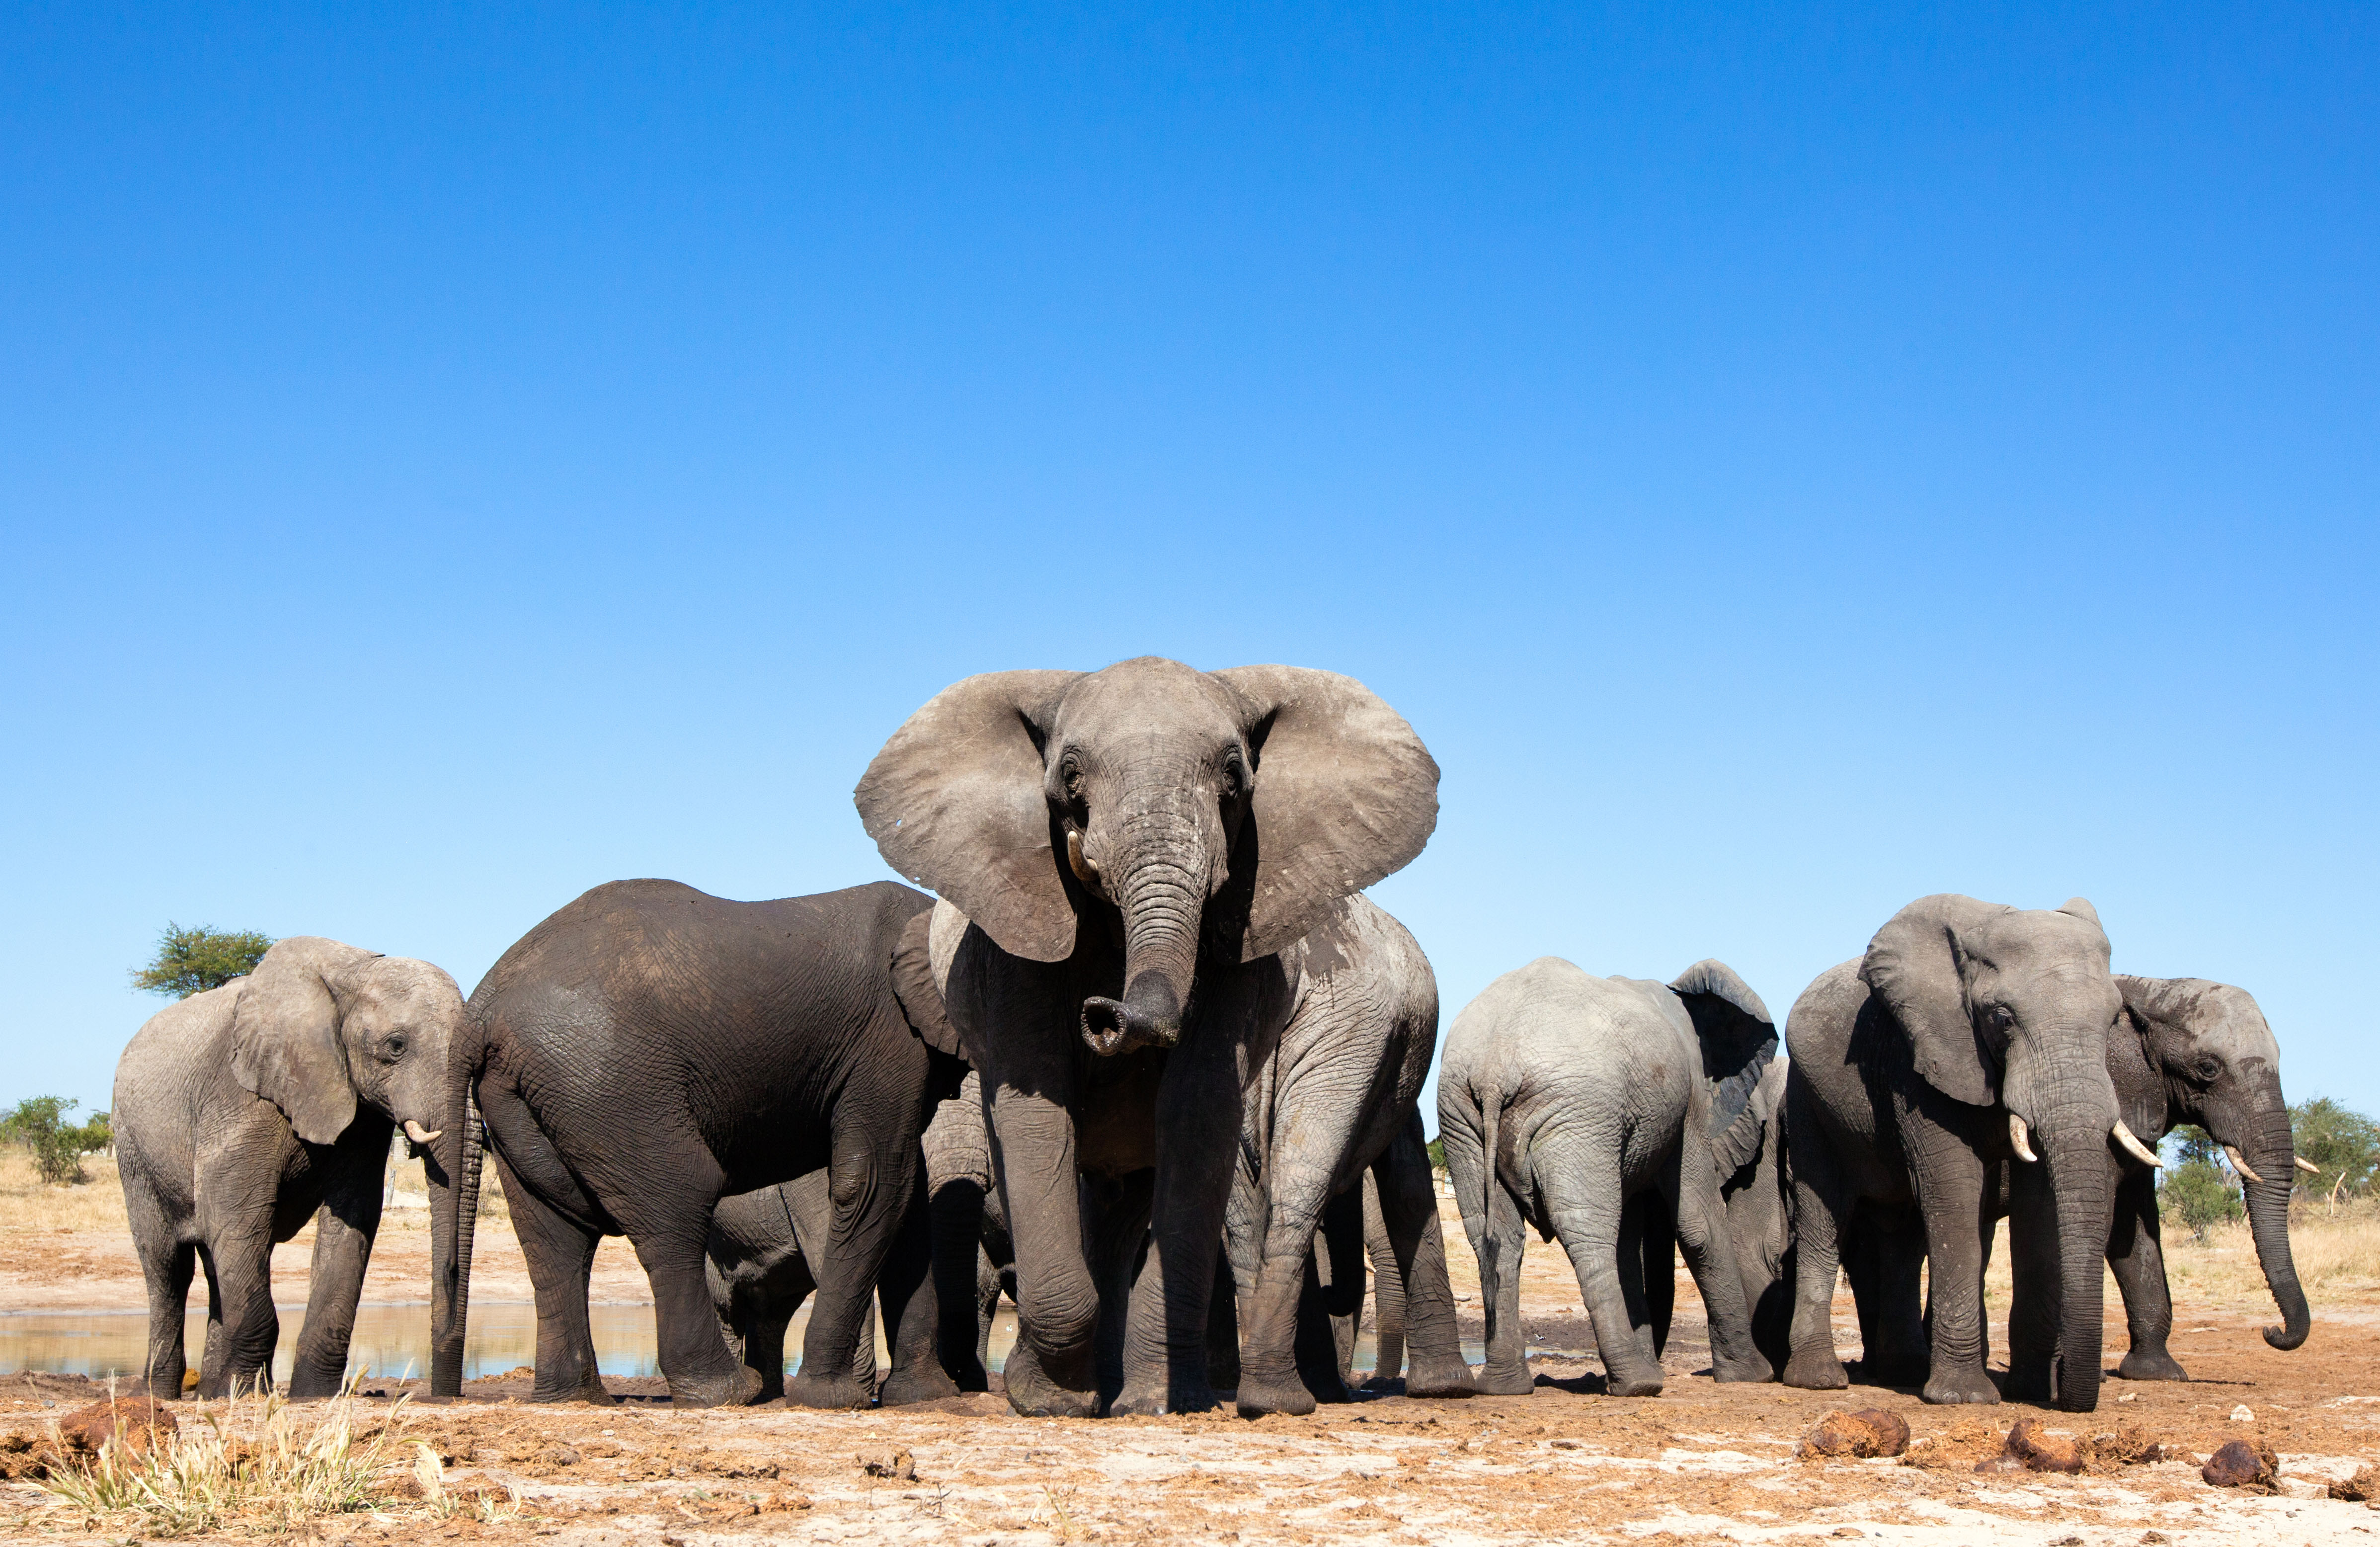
x=1701 y=1462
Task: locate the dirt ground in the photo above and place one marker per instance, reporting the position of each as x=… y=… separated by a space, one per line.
x=1699 y=1463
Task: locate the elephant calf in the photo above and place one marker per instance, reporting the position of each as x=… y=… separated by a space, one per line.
x=760 y=1271
x=242 y=1112
x=1598 y=1109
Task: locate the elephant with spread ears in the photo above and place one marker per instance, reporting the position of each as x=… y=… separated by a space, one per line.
x=1970 y=1038
x=243 y=1112
x=1125 y=854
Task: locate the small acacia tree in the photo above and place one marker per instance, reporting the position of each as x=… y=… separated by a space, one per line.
x=2196 y=1189
x=57 y=1146
x=191 y=961
x=2343 y=1143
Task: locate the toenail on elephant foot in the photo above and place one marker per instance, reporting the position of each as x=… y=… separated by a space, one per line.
x=1817 y=1371
x=839 y=1390
x=1493 y=1382
x=1260 y=1394
x=904 y=1386
x=1440 y=1377
x=1961 y=1385
x=2151 y=1365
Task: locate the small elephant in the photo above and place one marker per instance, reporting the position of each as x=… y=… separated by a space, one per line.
x=2184 y=1050
x=1332 y=1105
x=975 y=1262
x=1124 y=856
x=1598 y=1109
x=650 y=1049
x=759 y=1274
x=243 y=1110
x=1968 y=1033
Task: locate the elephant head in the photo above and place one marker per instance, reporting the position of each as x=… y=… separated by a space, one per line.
x=321 y=1027
x=1197 y=815
x=2221 y=1068
x=2011 y=1008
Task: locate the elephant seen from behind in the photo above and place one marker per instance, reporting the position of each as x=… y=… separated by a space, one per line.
x=1607 y=1111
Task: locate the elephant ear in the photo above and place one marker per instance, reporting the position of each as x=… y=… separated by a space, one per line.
x=913 y=985
x=954 y=802
x=1739 y=1043
x=285 y=1035
x=1912 y=966
x=1345 y=794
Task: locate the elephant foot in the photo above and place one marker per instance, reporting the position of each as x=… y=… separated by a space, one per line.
x=739 y=1388
x=838 y=1391
x=904 y=1386
x=314 y=1386
x=1492 y=1381
x=1751 y=1369
x=1894 y=1370
x=1816 y=1370
x=1032 y=1394
x=1632 y=1383
x=2151 y=1364
x=1951 y=1387
x=1154 y=1398
x=1260 y=1394
x=1442 y=1377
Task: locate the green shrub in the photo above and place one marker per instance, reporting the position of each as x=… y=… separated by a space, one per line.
x=57 y=1146
x=2198 y=1194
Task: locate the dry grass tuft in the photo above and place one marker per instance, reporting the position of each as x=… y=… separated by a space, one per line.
x=254 y=1465
x=2337 y=1250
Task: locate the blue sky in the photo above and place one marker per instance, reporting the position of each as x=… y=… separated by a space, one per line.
x=1783 y=462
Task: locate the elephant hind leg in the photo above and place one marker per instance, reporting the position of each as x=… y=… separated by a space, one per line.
x=169 y=1274
x=1588 y=1204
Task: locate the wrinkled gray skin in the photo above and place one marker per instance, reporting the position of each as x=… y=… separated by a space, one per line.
x=1606 y=1111
x=1333 y=1104
x=242 y=1112
x=760 y=1275
x=1126 y=853
x=1907 y=1066
x=975 y=1262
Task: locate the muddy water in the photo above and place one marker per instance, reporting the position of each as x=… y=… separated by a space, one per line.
x=390 y=1340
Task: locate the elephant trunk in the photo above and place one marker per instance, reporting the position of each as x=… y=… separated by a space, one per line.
x=2074 y=1148
x=453 y=1220
x=2268 y=1219
x=1161 y=891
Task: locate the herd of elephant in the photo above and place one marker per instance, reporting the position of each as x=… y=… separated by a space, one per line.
x=1150 y=1068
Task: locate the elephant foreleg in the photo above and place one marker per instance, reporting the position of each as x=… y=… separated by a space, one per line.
x=959 y=1264
x=2136 y=1255
x=168 y=1273
x=1950 y=1177
x=343 y=1228
x=242 y=1327
x=1198 y=1111
x=906 y=1290
x=1387 y=1291
x=1820 y=1208
x=1051 y=1369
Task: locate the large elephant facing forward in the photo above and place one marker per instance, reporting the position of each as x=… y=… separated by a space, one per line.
x=2184 y=1050
x=1129 y=851
x=1968 y=1034
x=242 y=1112
x=1599 y=1109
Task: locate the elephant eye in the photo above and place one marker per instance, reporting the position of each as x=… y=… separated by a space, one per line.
x=2207 y=1069
x=1236 y=775
x=2002 y=1017
x=392 y=1049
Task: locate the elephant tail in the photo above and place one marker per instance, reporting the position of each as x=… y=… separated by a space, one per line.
x=451 y=1278
x=1491 y=1112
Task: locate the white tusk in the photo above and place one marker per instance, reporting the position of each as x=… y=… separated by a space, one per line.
x=2308 y=1167
x=2240 y=1166
x=1084 y=871
x=421 y=1135
x=2017 y=1140
x=2133 y=1145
